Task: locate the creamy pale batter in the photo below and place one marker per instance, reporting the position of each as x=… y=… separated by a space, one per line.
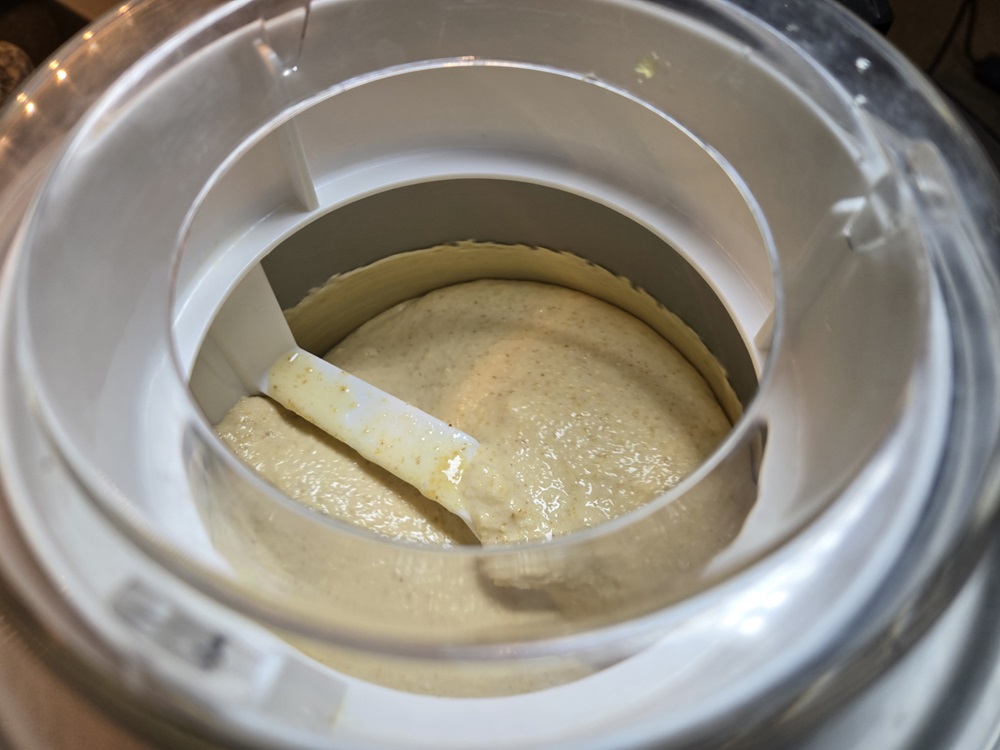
x=583 y=413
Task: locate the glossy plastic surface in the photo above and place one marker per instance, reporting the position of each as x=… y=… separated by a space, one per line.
x=869 y=197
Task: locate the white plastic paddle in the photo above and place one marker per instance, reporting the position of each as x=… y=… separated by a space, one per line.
x=420 y=449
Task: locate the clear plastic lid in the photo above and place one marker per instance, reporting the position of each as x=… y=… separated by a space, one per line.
x=805 y=173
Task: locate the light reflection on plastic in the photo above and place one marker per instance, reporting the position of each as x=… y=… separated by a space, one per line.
x=54 y=64
x=458 y=61
x=29 y=109
x=88 y=35
x=752 y=625
x=774 y=599
x=61 y=75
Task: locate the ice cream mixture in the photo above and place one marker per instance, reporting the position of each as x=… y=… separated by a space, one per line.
x=583 y=413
